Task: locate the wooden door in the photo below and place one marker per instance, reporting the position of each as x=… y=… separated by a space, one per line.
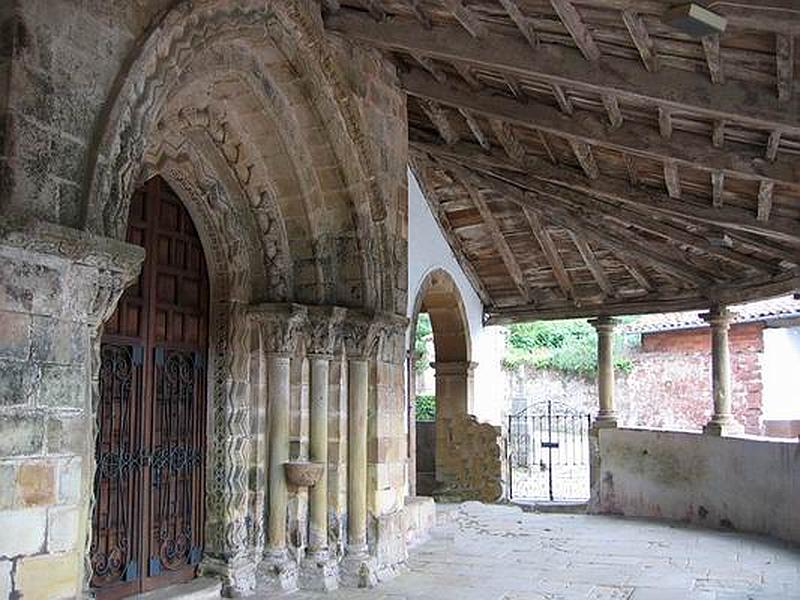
x=147 y=526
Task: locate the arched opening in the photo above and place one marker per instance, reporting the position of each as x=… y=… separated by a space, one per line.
x=437 y=465
x=148 y=520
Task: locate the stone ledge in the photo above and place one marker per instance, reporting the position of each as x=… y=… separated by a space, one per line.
x=202 y=588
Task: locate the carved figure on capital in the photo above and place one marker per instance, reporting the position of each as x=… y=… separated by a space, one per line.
x=323 y=329
x=280 y=325
x=360 y=333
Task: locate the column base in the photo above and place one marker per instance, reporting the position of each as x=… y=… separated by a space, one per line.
x=319 y=572
x=238 y=575
x=358 y=569
x=723 y=427
x=277 y=572
x=605 y=422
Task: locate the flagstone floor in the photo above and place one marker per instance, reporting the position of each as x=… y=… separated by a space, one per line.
x=482 y=552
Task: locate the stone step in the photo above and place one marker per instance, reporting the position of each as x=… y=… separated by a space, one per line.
x=555 y=506
x=202 y=588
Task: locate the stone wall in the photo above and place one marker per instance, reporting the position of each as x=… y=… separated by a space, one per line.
x=669 y=385
x=720 y=482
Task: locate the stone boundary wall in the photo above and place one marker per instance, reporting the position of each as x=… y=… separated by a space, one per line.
x=720 y=482
x=669 y=385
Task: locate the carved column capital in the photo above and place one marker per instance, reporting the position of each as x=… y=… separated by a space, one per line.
x=323 y=331
x=359 y=331
x=719 y=317
x=280 y=325
x=604 y=324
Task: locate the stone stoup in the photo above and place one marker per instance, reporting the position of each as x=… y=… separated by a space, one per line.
x=95 y=99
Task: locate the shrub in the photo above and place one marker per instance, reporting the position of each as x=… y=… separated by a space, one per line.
x=426 y=408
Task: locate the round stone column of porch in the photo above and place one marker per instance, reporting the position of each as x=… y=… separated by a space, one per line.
x=280 y=326
x=606 y=416
x=722 y=421
x=322 y=337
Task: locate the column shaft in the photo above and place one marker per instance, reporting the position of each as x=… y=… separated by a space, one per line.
x=357 y=456
x=278 y=393
x=607 y=415
x=722 y=420
x=318 y=495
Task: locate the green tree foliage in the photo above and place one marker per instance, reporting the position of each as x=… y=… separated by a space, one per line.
x=567 y=346
x=421 y=336
x=426 y=408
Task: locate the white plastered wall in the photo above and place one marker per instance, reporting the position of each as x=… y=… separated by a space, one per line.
x=780 y=373
x=427 y=251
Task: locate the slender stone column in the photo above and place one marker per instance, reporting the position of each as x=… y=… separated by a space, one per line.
x=722 y=421
x=607 y=416
x=360 y=336
x=280 y=326
x=321 y=341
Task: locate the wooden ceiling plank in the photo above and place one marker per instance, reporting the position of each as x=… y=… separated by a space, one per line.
x=577 y=29
x=467 y=18
x=612 y=109
x=641 y=39
x=664 y=122
x=632 y=169
x=523 y=23
x=543 y=173
x=441 y=121
x=563 y=102
x=551 y=254
x=765 y=200
x=637 y=272
x=685 y=91
x=476 y=129
x=784 y=58
x=585 y=158
x=713 y=58
x=686 y=149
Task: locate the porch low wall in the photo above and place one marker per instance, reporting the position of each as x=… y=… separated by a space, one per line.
x=721 y=482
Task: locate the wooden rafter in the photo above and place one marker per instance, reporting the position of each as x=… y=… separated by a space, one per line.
x=585 y=158
x=467 y=18
x=375 y=9
x=420 y=14
x=551 y=254
x=592 y=264
x=641 y=39
x=509 y=141
x=523 y=24
x=685 y=149
x=476 y=129
x=612 y=109
x=784 y=58
x=764 y=200
x=441 y=121
x=498 y=239
x=577 y=28
x=713 y=58
x=683 y=91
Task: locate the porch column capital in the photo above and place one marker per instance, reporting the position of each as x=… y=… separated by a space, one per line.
x=604 y=325
x=450 y=368
x=323 y=331
x=719 y=317
x=360 y=334
x=280 y=324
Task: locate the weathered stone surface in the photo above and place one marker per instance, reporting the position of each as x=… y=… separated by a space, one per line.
x=15 y=342
x=21 y=434
x=62 y=387
x=69 y=481
x=36 y=484
x=67 y=434
x=23 y=531
x=5 y=578
x=52 y=576
x=16 y=382
x=62 y=529
x=60 y=342
x=8 y=485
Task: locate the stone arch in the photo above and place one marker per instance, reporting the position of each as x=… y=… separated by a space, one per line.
x=292 y=33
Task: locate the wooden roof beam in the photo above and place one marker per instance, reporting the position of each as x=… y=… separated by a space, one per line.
x=430 y=66
x=331 y=6
x=374 y=9
x=509 y=141
x=420 y=15
x=593 y=264
x=683 y=91
x=467 y=18
x=641 y=39
x=713 y=58
x=523 y=23
x=764 y=200
x=441 y=121
x=773 y=143
x=476 y=129
x=585 y=158
x=686 y=149
x=672 y=179
x=612 y=109
x=574 y=24
x=551 y=254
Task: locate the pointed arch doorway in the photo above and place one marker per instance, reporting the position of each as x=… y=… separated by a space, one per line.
x=148 y=518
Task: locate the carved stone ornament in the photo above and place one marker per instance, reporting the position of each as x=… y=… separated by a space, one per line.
x=280 y=324
x=322 y=329
x=360 y=333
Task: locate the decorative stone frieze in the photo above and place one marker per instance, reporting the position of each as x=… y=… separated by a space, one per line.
x=281 y=326
x=323 y=331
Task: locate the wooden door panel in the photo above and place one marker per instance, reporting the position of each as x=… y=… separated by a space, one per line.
x=149 y=515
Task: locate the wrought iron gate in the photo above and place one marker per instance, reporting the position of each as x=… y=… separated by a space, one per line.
x=548 y=452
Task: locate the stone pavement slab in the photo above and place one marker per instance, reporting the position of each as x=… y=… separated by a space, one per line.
x=494 y=552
